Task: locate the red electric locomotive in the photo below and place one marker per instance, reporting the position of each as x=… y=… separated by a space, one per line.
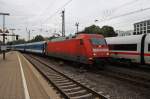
x=84 y=48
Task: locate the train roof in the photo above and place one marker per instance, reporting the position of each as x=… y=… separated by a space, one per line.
x=88 y=35
x=58 y=39
x=41 y=42
x=77 y=36
x=19 y=45
x=30 y=43
x=133 y=39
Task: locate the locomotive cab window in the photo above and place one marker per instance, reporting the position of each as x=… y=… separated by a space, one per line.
x=81 y=42
x=98 y=41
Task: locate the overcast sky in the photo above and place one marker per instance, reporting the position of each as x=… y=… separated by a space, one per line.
x=46 y=14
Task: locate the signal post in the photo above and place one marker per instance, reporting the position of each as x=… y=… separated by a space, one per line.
x=4 y=33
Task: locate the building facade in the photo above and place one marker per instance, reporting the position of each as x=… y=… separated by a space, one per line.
x=142 y=27
x=124 y=33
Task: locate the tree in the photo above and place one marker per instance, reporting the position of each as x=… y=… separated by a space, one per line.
x=108 y=31
x=92 y=29
x=37 y=39
x=52 y=37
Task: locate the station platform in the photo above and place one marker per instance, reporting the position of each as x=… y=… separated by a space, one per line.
x=20 y=80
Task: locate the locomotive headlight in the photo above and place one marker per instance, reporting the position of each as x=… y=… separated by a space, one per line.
x=107 y=53
x=94 y=54
x=99 y=46
x=90 y=58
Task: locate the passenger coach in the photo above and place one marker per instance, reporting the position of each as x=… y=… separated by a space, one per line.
x=36 y=47
x=19 y=47
x=135 y=48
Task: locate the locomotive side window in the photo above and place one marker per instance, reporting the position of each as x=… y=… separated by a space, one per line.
x=98 y=41
x=81 y=42
x=123 y=47
x=149 y=47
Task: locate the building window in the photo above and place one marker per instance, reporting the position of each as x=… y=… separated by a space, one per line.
x=138 y=32
x=148 y=31
x=148 y=23
x=123 y=47
x=148 y=27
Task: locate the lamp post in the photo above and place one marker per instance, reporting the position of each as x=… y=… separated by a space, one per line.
x=63 y=23
x=77 y=25
x=3 y=33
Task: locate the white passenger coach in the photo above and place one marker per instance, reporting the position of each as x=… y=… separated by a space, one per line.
x=135 y=48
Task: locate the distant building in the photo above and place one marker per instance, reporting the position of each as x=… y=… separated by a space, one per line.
x=142 y=27
x=124 y=33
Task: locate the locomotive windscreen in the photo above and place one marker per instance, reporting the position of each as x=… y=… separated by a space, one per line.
x=98 y=41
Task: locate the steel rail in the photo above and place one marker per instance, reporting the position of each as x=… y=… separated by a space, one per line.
x=65 y=95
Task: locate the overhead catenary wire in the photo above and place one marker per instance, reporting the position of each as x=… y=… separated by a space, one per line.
x=112 y=10
x=59 y=9
x=126 y=14
x=125 y=4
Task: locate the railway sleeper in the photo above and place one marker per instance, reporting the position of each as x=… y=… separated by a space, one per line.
x=47 y=70
x=68 y=86
x=53 y=74
x=58 y=77
x=65 y=84
x=73 y=89
x=77 y=93
x=61 y=81
x=85 y=96
x=55 y=78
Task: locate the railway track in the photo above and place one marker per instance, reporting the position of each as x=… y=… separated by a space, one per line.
x=132 y=76
x=67 y=87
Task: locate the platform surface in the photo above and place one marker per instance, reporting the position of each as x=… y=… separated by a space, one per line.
x=17 y=80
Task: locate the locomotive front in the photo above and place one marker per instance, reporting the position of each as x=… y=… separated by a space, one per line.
x=96 y=48
x=100 y=49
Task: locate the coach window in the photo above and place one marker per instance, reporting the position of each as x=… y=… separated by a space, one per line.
x=123 y=47
x=149 y=47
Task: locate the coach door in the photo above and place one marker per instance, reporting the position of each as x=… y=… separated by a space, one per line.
x=147 y=50
x=142 y=49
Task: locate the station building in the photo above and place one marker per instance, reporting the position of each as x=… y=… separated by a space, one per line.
x=142 y=27
x=124 y=33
